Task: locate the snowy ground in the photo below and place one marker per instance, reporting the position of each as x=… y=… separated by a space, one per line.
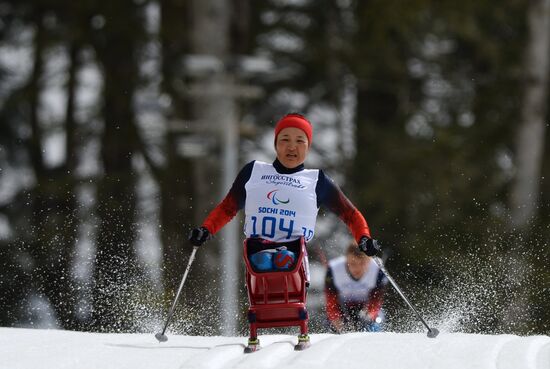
x=45 y=349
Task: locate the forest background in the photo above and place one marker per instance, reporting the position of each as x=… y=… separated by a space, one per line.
x=122 y=123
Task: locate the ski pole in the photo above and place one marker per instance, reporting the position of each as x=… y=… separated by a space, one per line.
x=160 y=336
x=432 y=332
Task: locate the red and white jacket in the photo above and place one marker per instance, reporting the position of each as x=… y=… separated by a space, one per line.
x=281 y=204
x=346 y=296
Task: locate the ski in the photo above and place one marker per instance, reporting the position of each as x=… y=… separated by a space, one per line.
x=254 y=344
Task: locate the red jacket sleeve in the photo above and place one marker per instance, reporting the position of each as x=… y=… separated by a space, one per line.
x=231 y=204
x=354 y=220
x=221 y=215
x=333 y=309
x=376 y=296
x=375 y=302
x=331 y=196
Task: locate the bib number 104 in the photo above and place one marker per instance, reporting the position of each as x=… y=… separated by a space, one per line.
x=269 y=226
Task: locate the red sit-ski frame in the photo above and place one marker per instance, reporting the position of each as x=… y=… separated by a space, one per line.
x=276 y=298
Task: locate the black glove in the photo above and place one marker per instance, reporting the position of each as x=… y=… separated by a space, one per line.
x=198 y=236
x=369 y=246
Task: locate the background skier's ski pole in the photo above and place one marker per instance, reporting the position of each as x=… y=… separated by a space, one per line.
x=160 y=336
x=432 y=332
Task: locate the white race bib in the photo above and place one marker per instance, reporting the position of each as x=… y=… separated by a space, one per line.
x=280 y=207
x=352 y=290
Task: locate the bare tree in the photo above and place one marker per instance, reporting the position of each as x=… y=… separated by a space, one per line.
x=531 y=131
x=174 y=178
x=115 y=270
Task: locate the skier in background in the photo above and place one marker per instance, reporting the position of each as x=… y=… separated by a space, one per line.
x=354 y=289
x=262 y=188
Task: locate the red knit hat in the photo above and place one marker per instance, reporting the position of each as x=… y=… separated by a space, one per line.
x=296 y=121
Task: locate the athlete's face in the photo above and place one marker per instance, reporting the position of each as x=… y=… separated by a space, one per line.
x=292 y=147
x=357 y=266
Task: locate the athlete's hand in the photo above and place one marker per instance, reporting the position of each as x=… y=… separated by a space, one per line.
x=198 y=236
x=369 y=246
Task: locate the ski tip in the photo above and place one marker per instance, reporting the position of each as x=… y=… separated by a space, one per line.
x=161 y=337
x=252 y=348
x=249 y=350
x=433 y=332
x=302 y=346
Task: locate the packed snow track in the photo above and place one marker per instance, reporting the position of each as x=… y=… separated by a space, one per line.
x=45 y=349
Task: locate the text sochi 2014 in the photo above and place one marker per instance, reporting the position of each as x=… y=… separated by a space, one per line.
x=267 y=210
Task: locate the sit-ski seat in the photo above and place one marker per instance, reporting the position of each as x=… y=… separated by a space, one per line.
x=276 y=298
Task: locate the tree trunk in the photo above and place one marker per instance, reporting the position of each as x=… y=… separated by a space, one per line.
x=59 y=284
x=176 y=184
x=531 y=132
x=213 y=113
x=115 y=273
x=524 y=197
x=54 y=221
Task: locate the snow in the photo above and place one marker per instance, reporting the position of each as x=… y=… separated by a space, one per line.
x=22 y=348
